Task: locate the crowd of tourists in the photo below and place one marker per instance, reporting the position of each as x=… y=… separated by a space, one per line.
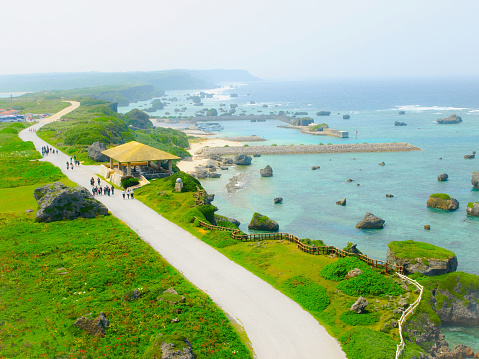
x=47 y=149
x=73 y=162
x=98 y=189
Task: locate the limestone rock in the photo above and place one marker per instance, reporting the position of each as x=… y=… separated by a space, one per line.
x=242 y=160
x=133 y=295
x=171 y=296
x=475 y=180
x=352 y=248
x=473 y=209
x=220 y=218
x=278 y=200
x=381 y=164
x=469 y=157
x=427 y=227
x=445 y=204
x=359 y=305
x=315 y=168
x=342 y=202
x=58 y=202
x=94 y=152
x=402 y=112
x=370 y=221
x=171 y=351
x=442 y=177
x=388 y=195
x=346 y=117
x=323 y=113
x=95 y=327
x=450 y=119
x=261 y=222
x=399 y=123
x=266 y=172
x=353 y=273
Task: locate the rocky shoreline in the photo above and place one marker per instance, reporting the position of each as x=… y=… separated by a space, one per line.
x=252 y=138
x=305 y=149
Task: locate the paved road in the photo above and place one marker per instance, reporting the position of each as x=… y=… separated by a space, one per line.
x=276 y=326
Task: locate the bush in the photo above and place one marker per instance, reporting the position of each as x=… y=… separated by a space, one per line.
x=129 y=182
x=189 y=182
x=368 y=283
x=313 y=242
x=309 y=295
x=364 y=343
x=440 y=195
x=337 y=271
x=208 y=212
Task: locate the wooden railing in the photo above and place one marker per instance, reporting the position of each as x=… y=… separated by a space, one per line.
x=200 y=194
x=237 y=234
x=407 y=312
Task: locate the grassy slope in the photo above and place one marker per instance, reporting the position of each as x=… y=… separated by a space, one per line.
x=51 y=274
x=412 y=249
x=34 y=103
x=281 y=264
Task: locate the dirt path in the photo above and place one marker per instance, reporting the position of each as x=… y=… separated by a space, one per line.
x=276 y=326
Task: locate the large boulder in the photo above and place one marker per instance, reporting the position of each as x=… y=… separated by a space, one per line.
x=94 y=152
x=473 y=209
x=442 y=177
x=475 y=180
x=242 y=160
x=220 y=218
x=442 y=201
x=359 y=305
x=95 y=327
x=174 y=346
x=266 y=172
x=261 y=222
x=450 y=119
x=421 y=257
x=370 y=221
x=58 y=202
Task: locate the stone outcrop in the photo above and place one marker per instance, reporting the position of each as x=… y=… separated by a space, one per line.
x=266 y=172
x=475 y=180
x=227 y=219
x=342 y=202
x=359 y=305
x=58 y=202
x=429 y=260
x=346 y=117
x=353 y=273
x=261 y=222
x=96 y=327
x=370 y=221
x=278 y=200
x=399 y=123
x=323 y=113
x=242 y=160
x=473 y=209
x=173 y=351
x=94 y=152
x=442 y=177
x=469 y=157
x=402 y=112
x=450 y=119
x=446 y=204
x=314 y=168
x=303 y=121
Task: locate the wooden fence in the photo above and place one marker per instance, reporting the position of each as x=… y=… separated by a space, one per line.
x=237 y=234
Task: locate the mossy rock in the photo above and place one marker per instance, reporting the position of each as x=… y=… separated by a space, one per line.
x=473 y=209
x=421 y=257
x=168 y=346
x=442 y=201
x=261 y=222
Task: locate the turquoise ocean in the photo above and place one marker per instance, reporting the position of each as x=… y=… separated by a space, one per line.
x=309 y=208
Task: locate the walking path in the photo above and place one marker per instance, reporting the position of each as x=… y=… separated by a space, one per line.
x=276 y=326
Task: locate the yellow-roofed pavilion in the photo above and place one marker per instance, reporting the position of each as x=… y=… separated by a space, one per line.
x=133 y=154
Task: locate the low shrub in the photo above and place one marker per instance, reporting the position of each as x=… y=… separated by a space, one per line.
x=370 y=283
x=356 y=319
x=309 y=295
x=313 y=242
x=129 y=182
x=190 y=183
x=337 y=271
x=364 y=343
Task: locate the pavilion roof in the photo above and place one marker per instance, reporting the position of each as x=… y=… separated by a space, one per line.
x=137 y=152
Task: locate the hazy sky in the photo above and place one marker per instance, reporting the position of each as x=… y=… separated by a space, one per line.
x=269 y=38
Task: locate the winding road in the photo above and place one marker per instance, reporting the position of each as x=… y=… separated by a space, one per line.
x=276 y=326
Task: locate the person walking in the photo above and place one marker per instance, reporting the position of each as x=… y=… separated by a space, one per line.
x=128 y=194
x=98 y=180
x=123 y=193
x=68 y=166
x=131 y=193
x=112 y=190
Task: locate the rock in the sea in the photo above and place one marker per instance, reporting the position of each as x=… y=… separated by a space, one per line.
x=427 y=227
x=473 y=209
x=261 y=222
x=402 y=112
x=58 y=202
x=381 y=164
x=442 y=177
x=278 y=200
x=342 y=202
x=214 y=175
x=470 y=157
x=359 y=305
x=95 y=327
x=242 y=160
x=475 y=180
x=352 y=248
x=450 y=119
x=323 y=113
x=421 y=257
x=220 y=218
x=442 y=201
x=256 y=155
x=266 y=172
x=346 y=117
x=314 y=168
x=388 y=195
x=370 y=221
x=94 y=152
x=399 y=123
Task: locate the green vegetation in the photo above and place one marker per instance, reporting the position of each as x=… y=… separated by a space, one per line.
x=355 y=319
x=471 y=204
x=38 y=103
x=440 y=195
x=96 y=121
x=412 y=249
x=318 y=127
x=370 y=283
x=337 y=271
x=311 y=296
x=127 y=182
x=355 y=344
x=313 y=242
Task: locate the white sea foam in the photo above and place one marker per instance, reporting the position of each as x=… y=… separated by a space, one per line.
x=418 y=108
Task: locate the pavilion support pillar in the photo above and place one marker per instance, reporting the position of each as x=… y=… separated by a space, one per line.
x=170 y=166
x=119 y=166
x=128 y=169
x=111 y=163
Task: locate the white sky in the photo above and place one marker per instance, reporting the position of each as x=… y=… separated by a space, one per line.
x=269 y=38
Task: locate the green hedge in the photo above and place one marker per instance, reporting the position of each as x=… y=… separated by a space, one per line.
x=337 y=271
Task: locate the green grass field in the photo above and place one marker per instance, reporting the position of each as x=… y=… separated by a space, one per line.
x=53 y=273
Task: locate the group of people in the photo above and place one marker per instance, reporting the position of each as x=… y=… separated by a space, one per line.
x=129 y=193
x=32 y=130
x=47 y=149
x=99 y=190
x=73 y=160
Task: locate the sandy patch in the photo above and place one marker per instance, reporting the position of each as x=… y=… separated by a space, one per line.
x=188 y=166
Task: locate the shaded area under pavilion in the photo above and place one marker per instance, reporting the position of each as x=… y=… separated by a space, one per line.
x=137 y=160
